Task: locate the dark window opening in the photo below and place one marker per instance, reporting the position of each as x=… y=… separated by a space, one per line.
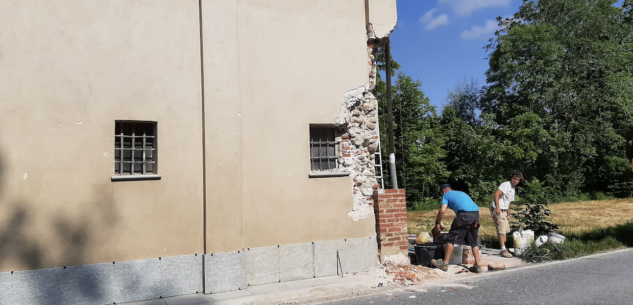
x=135 y=148
x=322 y=148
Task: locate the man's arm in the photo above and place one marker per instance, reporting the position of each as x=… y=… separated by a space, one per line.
x=440 y=215
x=498 y=193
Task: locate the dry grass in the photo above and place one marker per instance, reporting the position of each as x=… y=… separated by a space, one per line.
x=572 y=217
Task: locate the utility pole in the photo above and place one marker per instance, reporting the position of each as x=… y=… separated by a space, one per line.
x=392 y=155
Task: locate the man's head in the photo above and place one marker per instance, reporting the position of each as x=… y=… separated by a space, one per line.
x=444 y=188
x=516 y=178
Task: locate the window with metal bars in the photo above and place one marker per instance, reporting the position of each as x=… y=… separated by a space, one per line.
x=323 y=148
x=135 y=146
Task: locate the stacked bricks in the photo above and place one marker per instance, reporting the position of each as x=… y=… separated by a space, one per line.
x=468 y=258
x=390 y=208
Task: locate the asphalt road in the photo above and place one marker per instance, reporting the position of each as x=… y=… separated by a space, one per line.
x=602 y=279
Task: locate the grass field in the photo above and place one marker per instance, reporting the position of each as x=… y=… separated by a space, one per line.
x=590 y=226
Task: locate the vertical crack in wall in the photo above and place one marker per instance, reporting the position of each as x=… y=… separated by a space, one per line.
x=358 y=133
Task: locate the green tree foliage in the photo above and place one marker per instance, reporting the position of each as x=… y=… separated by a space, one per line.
x=465 y=100
x=557 y=106
x=560 y=89
x=418 y=138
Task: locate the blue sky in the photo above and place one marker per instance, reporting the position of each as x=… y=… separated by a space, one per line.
x=440 y=42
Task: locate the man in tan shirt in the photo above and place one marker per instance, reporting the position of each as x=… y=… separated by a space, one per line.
x=500 y=209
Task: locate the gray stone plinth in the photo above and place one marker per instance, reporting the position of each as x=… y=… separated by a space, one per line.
x=181 y=275
x=296 y=262
x=325 y=263
x=262 y=265
x=137 y=280
x=6 y=288
x=225 y=271
x=359 y=254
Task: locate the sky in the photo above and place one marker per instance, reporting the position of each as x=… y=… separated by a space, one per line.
x=440 y=42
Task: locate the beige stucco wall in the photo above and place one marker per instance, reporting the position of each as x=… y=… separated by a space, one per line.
x=272 y=67
x=382 y=16
x=68 y=70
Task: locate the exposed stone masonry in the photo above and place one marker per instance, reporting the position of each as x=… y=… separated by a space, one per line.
x=358 y=133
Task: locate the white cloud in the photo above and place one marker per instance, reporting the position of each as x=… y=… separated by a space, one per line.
x=466 y=7
x=433 y=22
x=477 y=32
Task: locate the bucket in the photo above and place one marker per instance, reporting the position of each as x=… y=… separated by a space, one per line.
x=555 y=238
x=425 y=253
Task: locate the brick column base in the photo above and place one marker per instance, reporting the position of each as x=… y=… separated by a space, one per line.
x=390 y=208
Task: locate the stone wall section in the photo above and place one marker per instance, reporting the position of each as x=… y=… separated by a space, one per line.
x=359 y=135
x=391 y=223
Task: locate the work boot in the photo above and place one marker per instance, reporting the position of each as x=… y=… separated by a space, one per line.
x=475 y=269
x=505 y=253
x=440 y=264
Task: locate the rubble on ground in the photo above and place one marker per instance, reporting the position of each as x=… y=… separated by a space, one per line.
x=401 y=275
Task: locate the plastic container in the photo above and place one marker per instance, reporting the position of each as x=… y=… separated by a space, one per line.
x=555 y=238
x=456 y=256
x=425 y=253
x=541 y=240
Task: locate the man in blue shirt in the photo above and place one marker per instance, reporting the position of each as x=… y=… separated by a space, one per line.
x=464 y=229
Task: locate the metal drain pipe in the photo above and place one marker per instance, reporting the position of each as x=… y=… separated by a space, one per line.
x=392 y=155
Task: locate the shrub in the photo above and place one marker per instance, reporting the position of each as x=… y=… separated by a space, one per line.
x=532 y=210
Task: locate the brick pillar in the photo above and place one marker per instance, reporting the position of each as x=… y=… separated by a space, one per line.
x=390 y=208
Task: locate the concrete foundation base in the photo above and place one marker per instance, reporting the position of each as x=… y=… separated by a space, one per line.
x=180 y=275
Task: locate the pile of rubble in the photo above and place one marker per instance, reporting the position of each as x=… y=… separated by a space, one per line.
x=391 y=274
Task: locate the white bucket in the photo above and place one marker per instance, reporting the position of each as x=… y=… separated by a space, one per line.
x=541 y=240
x=556 y=238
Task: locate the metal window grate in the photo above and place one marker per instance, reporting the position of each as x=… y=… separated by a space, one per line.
x=135 y=148
x=322 y=148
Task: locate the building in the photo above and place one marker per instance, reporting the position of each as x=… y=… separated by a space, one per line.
x=168 y=147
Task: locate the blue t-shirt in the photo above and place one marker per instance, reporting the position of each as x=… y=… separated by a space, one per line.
x=459 y=201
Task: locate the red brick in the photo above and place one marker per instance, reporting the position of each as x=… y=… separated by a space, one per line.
x=387 y=225
x=392 y=201
x=392 y=210
x=345 y=136
x=392 y=191
x=387 y=244
x=400 y=205
x=402 y=214
x=384 y=196
x=346 y=155
x=402 y=191
x=393 y=229
x=404 y=247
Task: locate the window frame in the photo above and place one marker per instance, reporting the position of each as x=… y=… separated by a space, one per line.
x=132 y=176
x=330 y=172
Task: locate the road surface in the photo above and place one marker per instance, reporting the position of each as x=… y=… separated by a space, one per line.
x=600 y=279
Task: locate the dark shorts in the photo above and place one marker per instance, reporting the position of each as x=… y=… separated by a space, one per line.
x=465 y=229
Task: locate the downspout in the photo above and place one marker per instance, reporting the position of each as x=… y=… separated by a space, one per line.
x=204 y=150
x=392 y=155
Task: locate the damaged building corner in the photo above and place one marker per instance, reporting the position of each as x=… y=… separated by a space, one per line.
x=359 y=134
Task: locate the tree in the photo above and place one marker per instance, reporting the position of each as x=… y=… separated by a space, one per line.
x=568 y=64
x=465 y=100
x=418 y=138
